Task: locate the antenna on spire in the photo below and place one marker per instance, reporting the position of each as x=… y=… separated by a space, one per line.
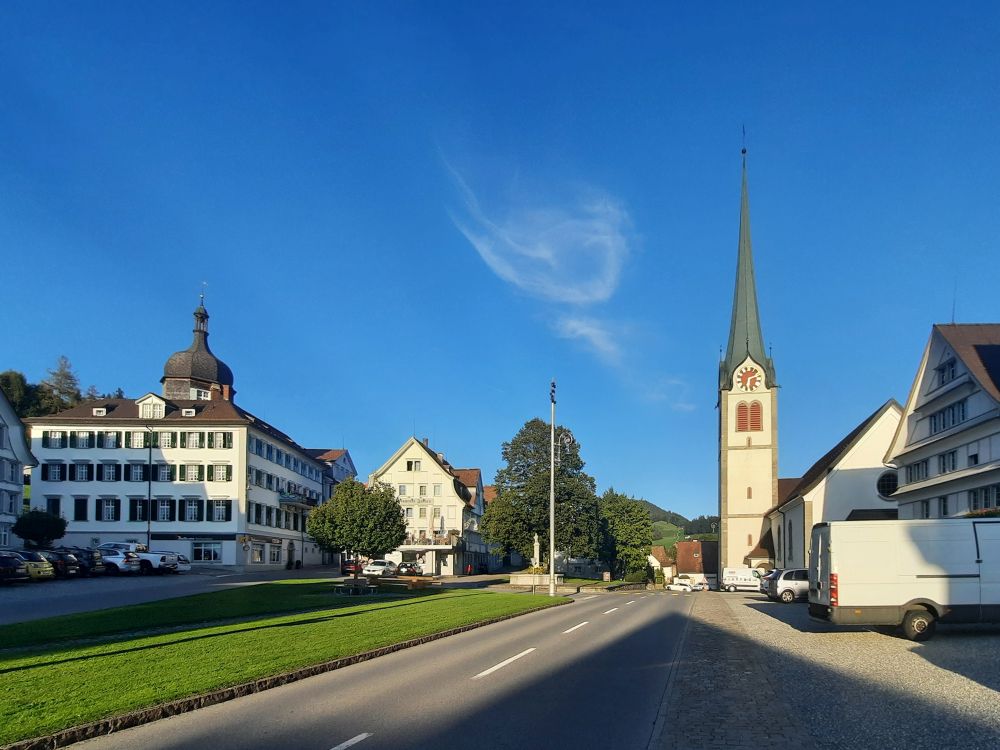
x=201 y=297
x=744 y=151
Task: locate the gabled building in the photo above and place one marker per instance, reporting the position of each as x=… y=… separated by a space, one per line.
x=187 y=471
x=15 y=455
x=339 y=467
x=849 y=480
x=947 y=445
x=443 y=507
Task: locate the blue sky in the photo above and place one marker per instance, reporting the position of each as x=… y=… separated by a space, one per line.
x=411 y=216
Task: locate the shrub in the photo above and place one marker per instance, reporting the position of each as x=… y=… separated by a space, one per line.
x=658 y=577
x=635 y=576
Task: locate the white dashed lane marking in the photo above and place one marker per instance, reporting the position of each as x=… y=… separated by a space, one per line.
x=575 y=627
x=501 y=665
x=352 y=741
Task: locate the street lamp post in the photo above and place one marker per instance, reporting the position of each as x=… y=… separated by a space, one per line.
x=149 y=486
x=552 y=494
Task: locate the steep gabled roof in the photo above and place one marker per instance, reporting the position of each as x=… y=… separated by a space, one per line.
x=16 y=433
x=829 y=461
x=326 y=454
x=469 y=477
x=460 y=487
x=978 y=346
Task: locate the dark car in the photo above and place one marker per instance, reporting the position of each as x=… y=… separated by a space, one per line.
x=409 y=569
x=12 y=568
x=65 y=563
x=91 y=561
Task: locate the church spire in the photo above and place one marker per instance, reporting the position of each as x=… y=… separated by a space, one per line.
x=745 y=339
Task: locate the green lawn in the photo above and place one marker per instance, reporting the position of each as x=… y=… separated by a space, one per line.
x=63 y=679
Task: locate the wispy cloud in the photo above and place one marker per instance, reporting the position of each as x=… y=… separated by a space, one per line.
x=572 y=253
x=595 y=335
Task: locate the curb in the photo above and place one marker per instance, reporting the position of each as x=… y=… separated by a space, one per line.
x=164 y=710
x=659 y=727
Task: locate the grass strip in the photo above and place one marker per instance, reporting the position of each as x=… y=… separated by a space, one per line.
x=44 y=691
x=239 y=602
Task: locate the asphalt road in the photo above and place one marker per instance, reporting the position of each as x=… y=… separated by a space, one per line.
x=591 y=674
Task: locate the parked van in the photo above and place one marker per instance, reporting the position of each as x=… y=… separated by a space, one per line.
x=908 y=573
x=740 y=579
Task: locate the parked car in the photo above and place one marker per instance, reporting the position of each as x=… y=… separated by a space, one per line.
x=679 y=587
x=764 y=579
x=12 y=568
x=409 y=569
x=39 y=569
x=65 y=563
x=149 y=562
x=182 y=567
x=790 y=585
x=350 y=567
x=90 y=561
x=380 y=568
x=118 y=561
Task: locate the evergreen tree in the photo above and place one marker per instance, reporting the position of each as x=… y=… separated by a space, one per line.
x=61 y=387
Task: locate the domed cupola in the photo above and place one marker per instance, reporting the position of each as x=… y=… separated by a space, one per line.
x=196 y=373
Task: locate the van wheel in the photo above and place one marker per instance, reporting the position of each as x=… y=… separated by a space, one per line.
x=730 y=589
x=918 y=625
x=788 y=596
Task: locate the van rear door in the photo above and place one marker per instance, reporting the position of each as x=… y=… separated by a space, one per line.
x=988 y=557
x=819 y=566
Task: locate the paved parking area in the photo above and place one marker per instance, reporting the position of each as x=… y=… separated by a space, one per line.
x=755 y=673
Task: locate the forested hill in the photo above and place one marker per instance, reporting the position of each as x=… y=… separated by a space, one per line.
x=658 y=514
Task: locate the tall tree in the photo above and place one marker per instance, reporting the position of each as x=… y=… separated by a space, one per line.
x=62 y=385
x=521 y=509
x=367 y=521
x=626 y=533
x=23 y=396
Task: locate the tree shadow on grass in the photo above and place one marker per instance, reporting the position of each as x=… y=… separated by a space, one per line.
x=380 y=605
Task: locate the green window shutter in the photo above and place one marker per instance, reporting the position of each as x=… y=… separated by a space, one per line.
x=227 y=440
x=92 y=439
x=99 y=441
x=229 y=509
x=184 y=441
x=229 y=473
x=183 y=470
x=72 y=439
x=201 y=439
x=211 y=473
x=173 y=473
x=133 y=509
x=211 y=440
x=173 y=509
x=155 y=439
x=97 y=509
x=201 y=473
x=45 y=472
x=45 y=438
x=119 y=440
x=118 y=509
x=118 y=473
x=201 y=510
x=90 y=476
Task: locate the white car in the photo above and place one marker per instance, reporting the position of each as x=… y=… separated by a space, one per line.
x=183 y=563
x=678 y=587
x=379 y=568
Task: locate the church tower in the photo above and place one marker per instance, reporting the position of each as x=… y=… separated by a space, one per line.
x=748 y=416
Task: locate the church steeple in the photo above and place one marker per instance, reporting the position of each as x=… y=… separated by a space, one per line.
x=745 y=339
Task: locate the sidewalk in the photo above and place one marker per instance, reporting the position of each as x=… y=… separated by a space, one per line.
x=719 y=694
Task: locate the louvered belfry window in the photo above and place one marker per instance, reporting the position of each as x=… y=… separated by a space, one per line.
x=742 y=417
x=756 y=419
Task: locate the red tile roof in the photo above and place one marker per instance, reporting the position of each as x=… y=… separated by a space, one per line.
x=469 y=477
x=660 y=553
x=697 y=556
x=978 y=346
x=327 y=454
x=489 y=494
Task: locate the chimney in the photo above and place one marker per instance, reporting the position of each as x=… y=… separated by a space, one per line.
x=426 y=443
x=441 y=458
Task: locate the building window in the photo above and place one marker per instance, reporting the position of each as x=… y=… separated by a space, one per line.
x=220 y=510
x=422 y=490
x=888 y=482
x=750 y=540
x=80 y=472
x=80 y=508
x=109 y=509
x=137 y=439
x=163 y=508
x=135 y=472
x=973 y=459
x=108 y=472
x=166 y=439
x=194 y=440
x=422 y=512
x=408 y=512
x=948 y=417
x=52 y=505
x=436 y=513
x=413 y=465
x=749 y=493
x=275 y=553
x=916 y=472
x=925 y=508
x=83 y=440
x=947 y=462
x=192 y=509
x=200 y=394
x=402 y=490
x=192 y=473
x=56 y=439
x=220 y=473
x=163 y=473
x=151 y=410
x=437 y=490
x=946 y=372
x=55 y=472
x=206 y=551
x=257 y=554
x=110 y=439
x=943 y=507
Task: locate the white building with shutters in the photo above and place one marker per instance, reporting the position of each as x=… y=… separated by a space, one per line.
x=196 y=475
x=14 y=456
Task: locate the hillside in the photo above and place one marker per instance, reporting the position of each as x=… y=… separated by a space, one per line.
x=657 y=513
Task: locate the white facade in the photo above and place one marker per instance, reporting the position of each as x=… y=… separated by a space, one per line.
x=947 y=447
x=852 y=477
x=14 y=456
x=443 y=508
x=202 y=478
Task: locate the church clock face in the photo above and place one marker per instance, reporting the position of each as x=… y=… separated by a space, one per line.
x=748 y=378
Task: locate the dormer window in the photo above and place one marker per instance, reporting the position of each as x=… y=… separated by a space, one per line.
x=151 y=410
x=200 y=394
x=946 y=372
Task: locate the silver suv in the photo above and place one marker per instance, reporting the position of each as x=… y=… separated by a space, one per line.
x=789 y=585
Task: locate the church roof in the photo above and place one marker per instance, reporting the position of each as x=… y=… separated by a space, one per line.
x=197 y=362
x=745 y=339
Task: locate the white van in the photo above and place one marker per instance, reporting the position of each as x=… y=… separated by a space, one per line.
x=909 y=573
x=740 y=579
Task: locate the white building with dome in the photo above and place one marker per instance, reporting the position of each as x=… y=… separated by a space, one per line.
x=186 y=470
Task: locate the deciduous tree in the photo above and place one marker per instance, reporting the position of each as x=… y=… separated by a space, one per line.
x=626 y=533
x=40 y=528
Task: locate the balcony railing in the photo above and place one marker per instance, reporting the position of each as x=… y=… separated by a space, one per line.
x=432 y=539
